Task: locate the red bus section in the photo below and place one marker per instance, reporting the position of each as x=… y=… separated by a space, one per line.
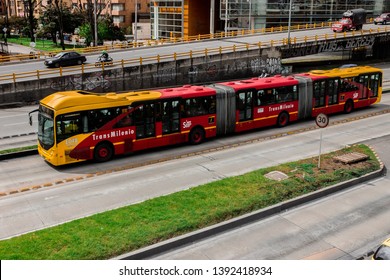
x=79 y=125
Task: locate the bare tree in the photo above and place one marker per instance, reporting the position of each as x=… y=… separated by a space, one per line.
x=89 y=9
x=29 y=7
x=58 y=6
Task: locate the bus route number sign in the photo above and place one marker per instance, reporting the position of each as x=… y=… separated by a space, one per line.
x=322 y=120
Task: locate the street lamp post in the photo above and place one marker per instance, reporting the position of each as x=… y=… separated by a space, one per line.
x=95 y=21
x=212 y=7
x=250 y=14
x=226 y=16
x=289 y=22
x=136 y=19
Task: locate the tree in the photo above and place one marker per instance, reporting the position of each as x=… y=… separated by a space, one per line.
x=58 y=6
x=59 y=18
x=85 y=31
x=29 y=7
x=106 y=31
x=89 y=11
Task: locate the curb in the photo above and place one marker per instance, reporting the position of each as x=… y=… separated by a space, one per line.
x=244 y=220
x=18 y=154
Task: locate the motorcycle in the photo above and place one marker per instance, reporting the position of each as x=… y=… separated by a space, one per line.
x=101 y=60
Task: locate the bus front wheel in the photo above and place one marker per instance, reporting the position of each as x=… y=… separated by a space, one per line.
x=103 y=152
x=196 y=136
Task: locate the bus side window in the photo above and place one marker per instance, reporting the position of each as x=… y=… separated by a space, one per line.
x=267 y=97
x=212 y=108
x=125 y=121
x=258 y=97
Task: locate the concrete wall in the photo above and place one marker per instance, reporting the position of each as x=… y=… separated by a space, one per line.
x=201 y=70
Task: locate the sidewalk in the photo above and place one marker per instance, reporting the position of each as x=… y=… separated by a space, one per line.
x=19 y=49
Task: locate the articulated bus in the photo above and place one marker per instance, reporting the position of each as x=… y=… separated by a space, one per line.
x=78 y=125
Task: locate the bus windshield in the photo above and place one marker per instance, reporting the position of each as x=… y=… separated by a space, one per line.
x=45 y=130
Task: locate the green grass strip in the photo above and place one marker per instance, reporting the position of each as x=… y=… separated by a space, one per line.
x=21 y=149
x=115 y=232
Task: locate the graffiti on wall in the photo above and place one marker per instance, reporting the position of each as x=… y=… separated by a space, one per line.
x=165 y=75
x=257 y=66
x=268 y=65
x=78 y=83
x=309 y=48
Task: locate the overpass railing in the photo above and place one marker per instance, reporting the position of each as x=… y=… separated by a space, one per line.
x=39 y=74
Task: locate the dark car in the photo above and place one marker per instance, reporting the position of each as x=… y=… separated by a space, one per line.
x=65 y=59
x=382 y=19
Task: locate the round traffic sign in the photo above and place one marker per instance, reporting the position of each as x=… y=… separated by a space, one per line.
x=322 y=120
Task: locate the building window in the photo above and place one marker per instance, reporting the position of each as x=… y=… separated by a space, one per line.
x=117 y=7
x=118 y=19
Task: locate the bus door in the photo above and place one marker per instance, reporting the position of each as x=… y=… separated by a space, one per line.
x=375 y=84
x=144 y=121
x=333 y=91
x=170 y=116
x=245 y=105
x=319 y=93
x=371 y=85
x=364 y=80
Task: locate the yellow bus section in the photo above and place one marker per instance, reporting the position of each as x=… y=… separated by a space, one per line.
x=350 y=72
x=346 y=72
x=74 y=101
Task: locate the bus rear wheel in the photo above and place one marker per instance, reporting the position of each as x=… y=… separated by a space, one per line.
x=283 y=119
x=103 y=152
x=196 y=136
x=348 y=107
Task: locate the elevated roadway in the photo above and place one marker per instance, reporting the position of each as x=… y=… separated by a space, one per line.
x=303 y=42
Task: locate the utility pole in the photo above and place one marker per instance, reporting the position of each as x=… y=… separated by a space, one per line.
x=289 y=23
x=250 y=15
x=95 y=21
x=212 y=9
x=226 y=16
x=136 y=19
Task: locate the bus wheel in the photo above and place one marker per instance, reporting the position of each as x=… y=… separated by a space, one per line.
x=348 y=107
x=103 y=152
x=196 y=136
x=283 y=119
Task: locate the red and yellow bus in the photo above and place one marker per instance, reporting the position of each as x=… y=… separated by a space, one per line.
x=78 y=125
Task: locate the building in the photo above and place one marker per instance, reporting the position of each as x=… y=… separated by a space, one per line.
x=122 y=11
x=181 y=18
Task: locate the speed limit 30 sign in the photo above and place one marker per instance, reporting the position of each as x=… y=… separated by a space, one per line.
x=322 y=120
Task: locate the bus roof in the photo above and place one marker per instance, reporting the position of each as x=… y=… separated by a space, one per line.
x=187 y=91
x=82 y=100
x=267 y=82
x=342 y=72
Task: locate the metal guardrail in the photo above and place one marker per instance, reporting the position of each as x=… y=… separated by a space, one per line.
x=149 y=43
x=38 y=74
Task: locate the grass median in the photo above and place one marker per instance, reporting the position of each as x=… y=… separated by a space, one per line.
x=16 y=150
x=109 y=234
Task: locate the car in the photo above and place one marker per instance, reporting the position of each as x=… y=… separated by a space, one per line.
x=65 y=59
x=382 y=19
x=383 y=251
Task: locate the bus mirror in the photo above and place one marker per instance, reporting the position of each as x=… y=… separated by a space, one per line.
x=30 y=117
